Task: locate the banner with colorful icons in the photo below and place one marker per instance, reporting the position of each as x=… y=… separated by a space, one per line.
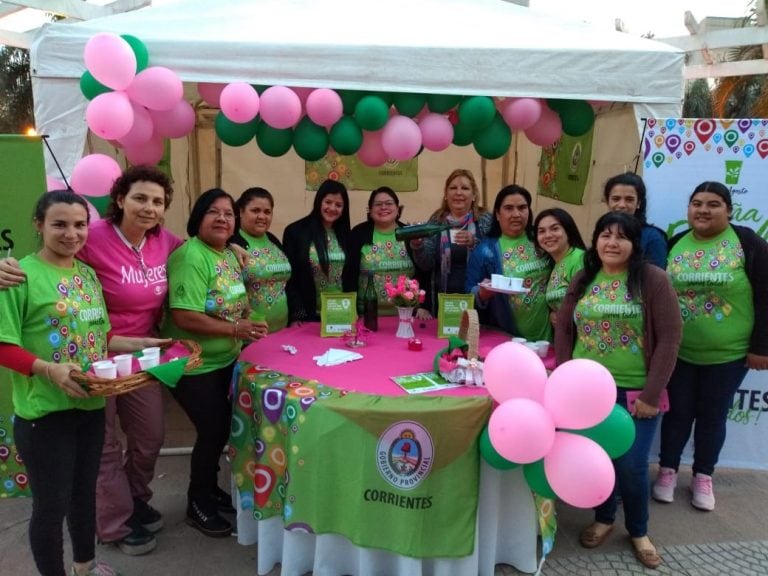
x=679 y=154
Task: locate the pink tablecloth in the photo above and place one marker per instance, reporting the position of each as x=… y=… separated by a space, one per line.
x=383 y=357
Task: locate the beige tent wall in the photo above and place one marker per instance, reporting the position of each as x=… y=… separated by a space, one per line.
x=615 y=150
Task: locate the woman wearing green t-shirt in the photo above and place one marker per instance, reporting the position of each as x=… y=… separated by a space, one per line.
x=720 y=274
x=374 y=250
x=316 y=247
x=622 y=313
x=209 y=304
x=55 y=323
x=509 y=250
x=558 y=236
x=267 y=269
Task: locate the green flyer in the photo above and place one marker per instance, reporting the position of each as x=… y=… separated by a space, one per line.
x=450 y=307
x=338 y=312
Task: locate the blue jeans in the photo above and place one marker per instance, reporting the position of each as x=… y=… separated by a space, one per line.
x=703 y=394
x=631 y=478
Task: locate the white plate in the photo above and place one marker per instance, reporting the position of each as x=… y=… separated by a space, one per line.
x=488 y=286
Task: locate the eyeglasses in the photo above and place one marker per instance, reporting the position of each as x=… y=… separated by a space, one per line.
x=220 y=214
x=387 y=204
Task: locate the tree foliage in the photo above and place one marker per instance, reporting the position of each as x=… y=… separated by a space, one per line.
x=16 y=110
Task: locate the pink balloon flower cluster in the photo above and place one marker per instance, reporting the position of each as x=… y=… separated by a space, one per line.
x=133 y=105
x=540 y=420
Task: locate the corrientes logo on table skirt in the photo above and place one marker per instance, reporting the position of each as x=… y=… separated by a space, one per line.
x=404 y=454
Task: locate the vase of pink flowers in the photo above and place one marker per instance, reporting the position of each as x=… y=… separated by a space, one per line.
x=405 y=295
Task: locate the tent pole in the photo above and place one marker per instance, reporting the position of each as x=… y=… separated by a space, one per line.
x=218 y=162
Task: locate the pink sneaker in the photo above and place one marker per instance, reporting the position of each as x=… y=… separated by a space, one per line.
x=703 y=497
x=664 y=487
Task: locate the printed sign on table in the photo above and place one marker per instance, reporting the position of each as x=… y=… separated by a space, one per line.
x=450 y=308
x=338 y=312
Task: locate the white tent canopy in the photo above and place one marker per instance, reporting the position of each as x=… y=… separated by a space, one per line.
x=477 y=47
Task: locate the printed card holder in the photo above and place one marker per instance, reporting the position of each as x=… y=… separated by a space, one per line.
x=663 y=400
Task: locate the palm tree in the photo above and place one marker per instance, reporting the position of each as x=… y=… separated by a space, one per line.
x=16 y=111
x=742 y=96
x=698 y=99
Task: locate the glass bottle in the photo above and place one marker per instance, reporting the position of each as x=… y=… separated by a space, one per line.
x=370 y=305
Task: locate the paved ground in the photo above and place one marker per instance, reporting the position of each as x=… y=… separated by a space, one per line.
x=732 y=540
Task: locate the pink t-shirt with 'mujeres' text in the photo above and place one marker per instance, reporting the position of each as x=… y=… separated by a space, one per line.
x=133 y=282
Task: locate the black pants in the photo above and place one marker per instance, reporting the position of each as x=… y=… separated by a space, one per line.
x=61 y=452
x=205 y=399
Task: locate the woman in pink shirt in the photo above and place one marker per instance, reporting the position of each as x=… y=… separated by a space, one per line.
x=129 y=250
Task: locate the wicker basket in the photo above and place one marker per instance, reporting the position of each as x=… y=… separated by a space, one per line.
x=468 y=369
x=124 y=384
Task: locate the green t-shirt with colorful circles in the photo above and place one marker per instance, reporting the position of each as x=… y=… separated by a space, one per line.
x=388 y=259
x=59 y=315
x=561 y=276
x=201 y=279
x=265 y=276
x=332 y=281
x=715 y=298
x=609 y=329
x=520 y=259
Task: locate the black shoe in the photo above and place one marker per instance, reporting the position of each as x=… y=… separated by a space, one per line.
x=209 y=524
x=223 y=501
x=149 y=518
x=137 y=543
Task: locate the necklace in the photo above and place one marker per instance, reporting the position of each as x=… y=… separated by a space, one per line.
x=135 y=250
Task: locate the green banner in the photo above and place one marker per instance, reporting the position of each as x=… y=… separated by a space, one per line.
x=395 y=473
x=400 y=176
x=564 y=168
x=22 y=181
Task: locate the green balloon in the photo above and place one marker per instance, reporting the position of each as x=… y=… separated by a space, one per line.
x=310 y=140
x=139 y=49
x=493 y=142
x=232 y=133
x=346 y=136
x=477 y=112
x=90 y=87
x=537 y=479
x=615 y=434
x=577 y=117
x=273 y=141
x=441 y=103
x=349 y=99
x=489 y=454
x=556 y=104
x=463 y=135
x=409 y=104
x=101 y=203
x=388 y=97
x=371 y=113
x=259 y=88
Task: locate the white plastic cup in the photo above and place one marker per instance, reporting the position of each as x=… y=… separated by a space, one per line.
x=519 y=340
x=154 y=351
x=124 y=363
x=516 y=284
x=148 y=362
x=105 y=369
x=453 y=232
x=542 y=348
x=532 y=346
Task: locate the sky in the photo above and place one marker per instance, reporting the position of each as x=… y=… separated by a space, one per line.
x=662 y=17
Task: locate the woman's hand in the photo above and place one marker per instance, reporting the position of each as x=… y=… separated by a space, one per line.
x=241 y=254
x=58 y=375
x=250 y=330
x=417 y=243
x=757 y=362
x=11 y=273
x=423 y=314
x=483 y=293
x=644 y=410
x=152 y=342
x=463 y=237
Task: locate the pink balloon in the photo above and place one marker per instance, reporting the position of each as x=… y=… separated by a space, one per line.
x=580 y=394
x=94 y=175
x=93 y=213
x=512 y=370
x=521 y=430
x=280 y=107
x=521 y=113
x=547 y=130
x=176 y=122
x=142 y=128
x=401 y=138
x=210 y=92
x=52 y=184
x=110 y=115
x=324 y=107
x=157 y=88
x=371 y=152
x=149 y=153
x=110 y=60
x=579 y=470
x=436 y=132
x=239 y=102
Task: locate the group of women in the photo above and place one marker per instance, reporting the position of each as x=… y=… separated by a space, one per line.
x=233 y=281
